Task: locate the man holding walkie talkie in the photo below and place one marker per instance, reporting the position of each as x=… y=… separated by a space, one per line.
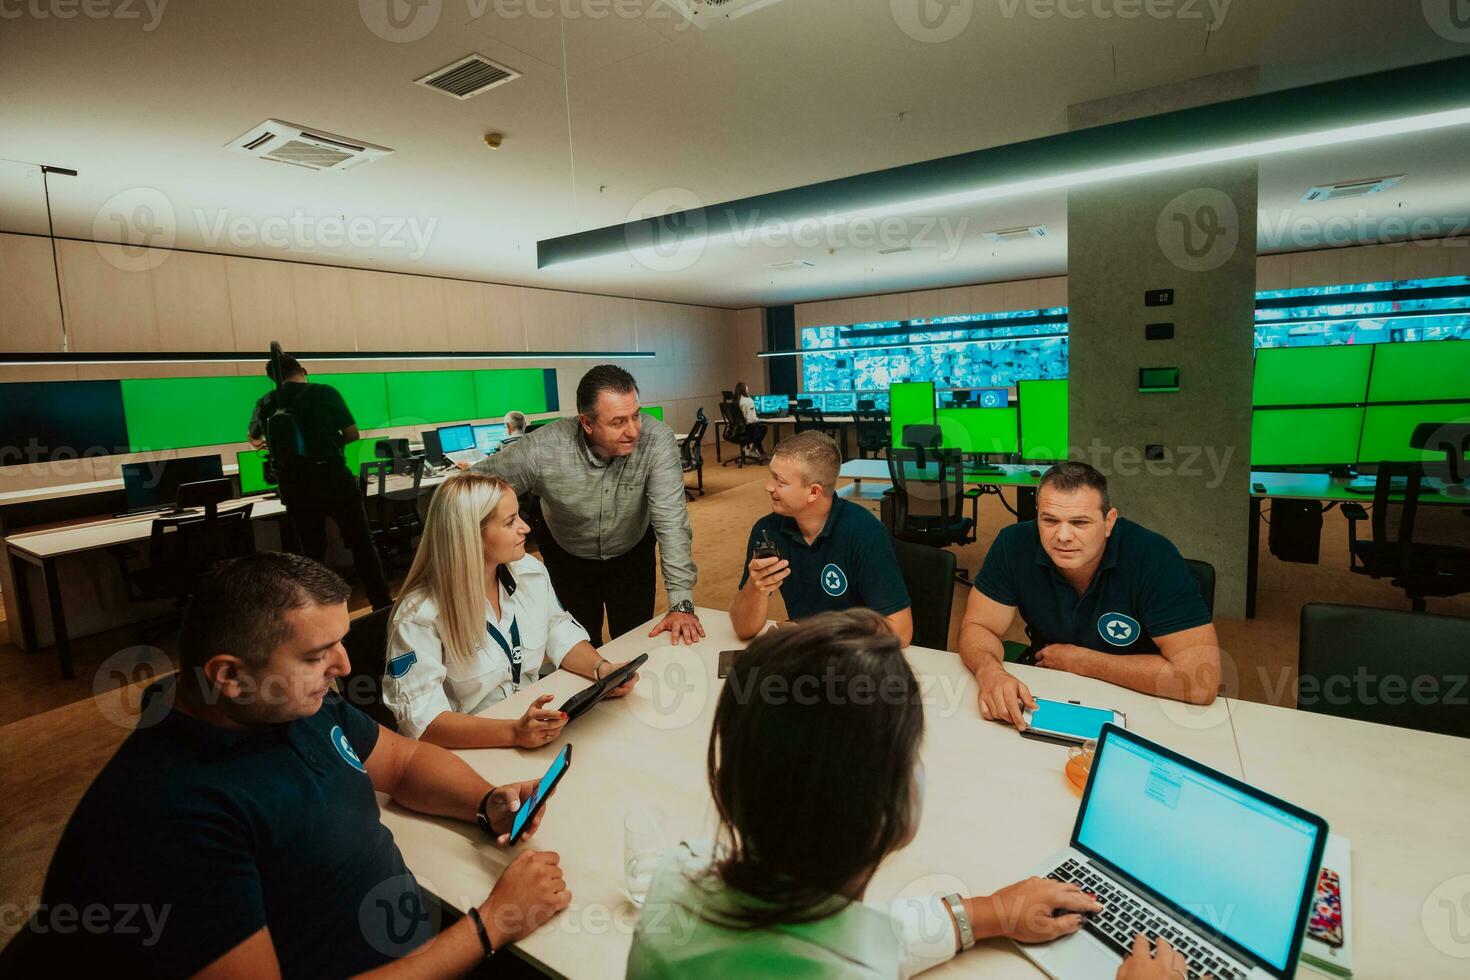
x=316 y=483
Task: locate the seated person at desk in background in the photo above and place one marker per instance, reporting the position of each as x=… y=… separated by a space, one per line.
x=781 y=894
x=757 y=428
x=476 y=621
x=833 y=553
x=515 y=428
x=1101 y=596
x=241 y=813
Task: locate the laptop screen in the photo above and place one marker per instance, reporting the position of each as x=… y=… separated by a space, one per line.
x=456 y=438
x=1236 y=859
x=489 y=437
x=770 y=404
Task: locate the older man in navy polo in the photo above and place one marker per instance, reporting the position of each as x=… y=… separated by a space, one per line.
x=1090 y=586
x=823 y=553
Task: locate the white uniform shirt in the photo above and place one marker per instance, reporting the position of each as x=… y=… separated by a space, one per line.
x=418 y=685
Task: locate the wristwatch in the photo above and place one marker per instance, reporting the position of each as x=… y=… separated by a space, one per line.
x=484 y=820
x=682 y=606
x=956 y=907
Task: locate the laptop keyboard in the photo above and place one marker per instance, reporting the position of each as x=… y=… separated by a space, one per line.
x=1124 y=916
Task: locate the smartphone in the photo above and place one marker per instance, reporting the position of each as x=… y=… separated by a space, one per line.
x=528 y=809
x=727 y=660
x=1325 y=925
x=1068 y=721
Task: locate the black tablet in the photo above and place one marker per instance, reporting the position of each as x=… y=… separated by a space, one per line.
x=578 y=703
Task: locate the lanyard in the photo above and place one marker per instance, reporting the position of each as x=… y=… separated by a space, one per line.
x=512 y=649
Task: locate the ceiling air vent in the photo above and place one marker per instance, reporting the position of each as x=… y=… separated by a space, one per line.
x=1004 y=235
x=283 y=142
x=792 y=265
x=895 y=250
x=1350 y=188
x=468 y=77
x=703 y=13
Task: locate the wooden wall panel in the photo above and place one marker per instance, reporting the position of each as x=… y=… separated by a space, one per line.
x=109 y=298
x=191 y=299
x=262 y=303
x=376 y=310
x=425 y=324
x=30 y=313
x=323 y=296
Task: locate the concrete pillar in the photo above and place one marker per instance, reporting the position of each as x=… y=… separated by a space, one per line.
x=1192 y=232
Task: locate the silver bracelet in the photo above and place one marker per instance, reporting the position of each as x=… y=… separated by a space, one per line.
x=596 y=675
x=956 y=907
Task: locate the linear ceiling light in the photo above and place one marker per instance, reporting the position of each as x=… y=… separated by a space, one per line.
x=920 y=343
x=32 y=358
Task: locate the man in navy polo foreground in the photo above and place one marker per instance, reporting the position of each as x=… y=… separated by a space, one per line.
x=830 y=553
x=236 y=832
x=1090 y=586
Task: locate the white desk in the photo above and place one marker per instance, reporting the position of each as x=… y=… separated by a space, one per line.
x=995 y=803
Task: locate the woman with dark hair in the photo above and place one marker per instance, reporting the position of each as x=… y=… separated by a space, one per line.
x=746 y=405
x=814 y=767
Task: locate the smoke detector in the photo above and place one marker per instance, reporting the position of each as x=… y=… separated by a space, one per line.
x=1004 y=235
x=283 y=142
x=704 y=13
x=1350 y=188
x=468 y=77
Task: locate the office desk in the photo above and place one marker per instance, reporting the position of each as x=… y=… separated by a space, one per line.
x=773 y=424
x=984 y=783
x=44 y=548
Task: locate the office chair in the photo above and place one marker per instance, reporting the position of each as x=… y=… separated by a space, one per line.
x=393 y=515
x=366 y=644
x=872 y=432
x=929 y=575
x=728 y=396
x=813 y=420
x=1423 y=571
x=927 y=498
x=1384 y=665
x=181 y=548
x=691 y=453
x=391 y=449
x=744 y=436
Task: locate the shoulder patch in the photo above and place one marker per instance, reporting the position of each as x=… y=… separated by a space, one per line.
x=1118 y=629
x=402 y=664
x=345 y=750
x=834 y=580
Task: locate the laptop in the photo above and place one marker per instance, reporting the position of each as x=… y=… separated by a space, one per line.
x=1173 y=848
x=457 y=443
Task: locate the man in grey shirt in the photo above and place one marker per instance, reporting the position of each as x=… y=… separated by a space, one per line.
x=610 y=483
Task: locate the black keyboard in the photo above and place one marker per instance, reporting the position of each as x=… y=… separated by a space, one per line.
x=1124 y=916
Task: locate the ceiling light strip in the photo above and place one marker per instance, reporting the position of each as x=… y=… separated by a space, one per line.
x=54 y=358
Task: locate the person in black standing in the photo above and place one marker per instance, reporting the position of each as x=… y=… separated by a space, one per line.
x=319 y=485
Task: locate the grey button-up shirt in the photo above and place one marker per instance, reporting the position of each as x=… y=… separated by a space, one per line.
x=601 y=508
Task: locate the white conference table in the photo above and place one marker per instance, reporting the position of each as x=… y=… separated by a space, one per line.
x=995 y=803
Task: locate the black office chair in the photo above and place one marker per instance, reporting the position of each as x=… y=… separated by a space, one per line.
x=1204 y=575
x=182 y=547
x=392 y=449
x=746 y=437
x=366 y=644
x=813 y=420
x=1384 y=665
x=691 y=453
x=1423 y=571
x=927 y=498
x=872 y=432
x=929 y=574
x=393 y=515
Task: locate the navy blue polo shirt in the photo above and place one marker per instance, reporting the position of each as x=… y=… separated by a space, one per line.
x=194 y=837
x=849 y=563
x=1142 y=590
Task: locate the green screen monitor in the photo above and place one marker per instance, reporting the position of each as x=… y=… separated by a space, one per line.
x=181 y=413
x=1387 y=428
x=359 y=452
x=910 y=403
x=365 y=393
x=1043 y=420
x=252 y=473
x=497 y=393
x=421 y=398
x=657 y=411
x=979 y=430
x=1300 y=437
x=1426 y=370
x=1312 y=375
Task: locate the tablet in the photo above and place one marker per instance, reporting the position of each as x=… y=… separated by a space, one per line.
x=1069 y=721
x=584 y=699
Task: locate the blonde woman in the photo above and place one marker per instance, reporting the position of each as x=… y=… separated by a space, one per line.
x=477 y=620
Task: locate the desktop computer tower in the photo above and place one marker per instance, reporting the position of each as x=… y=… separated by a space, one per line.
x=1296 y=530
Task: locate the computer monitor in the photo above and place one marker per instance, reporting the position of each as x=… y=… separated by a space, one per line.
x=1425 y=370
x=912 y=404
x=657 y=411
x=1237 y=861
x=155 y=484
x=252 y=473
x=433 y=452
x=1311 y=375
x=1043 y=411
x=456 y=438
x=807 y=401
x=489 y=437
x=772 y=404
x=1387 y=428
x=1316 y=437
x=839 y=402
x=990 y=432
